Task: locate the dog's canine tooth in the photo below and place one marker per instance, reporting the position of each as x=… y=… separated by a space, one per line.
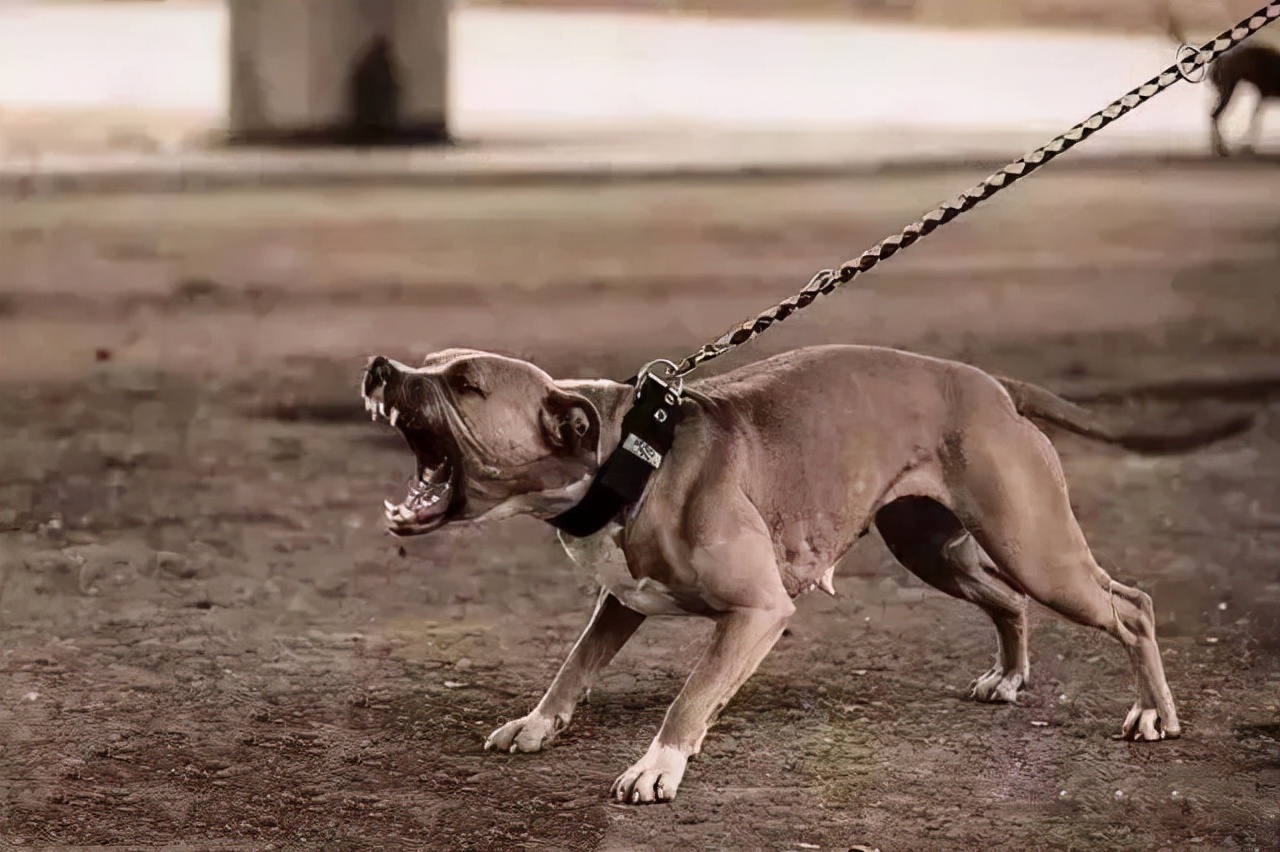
x=390 y=507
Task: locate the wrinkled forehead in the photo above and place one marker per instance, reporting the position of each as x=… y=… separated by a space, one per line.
x=485 y=367
x=446 y=357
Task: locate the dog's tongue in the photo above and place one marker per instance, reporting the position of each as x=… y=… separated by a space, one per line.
x=427 y=498
x=428 y=492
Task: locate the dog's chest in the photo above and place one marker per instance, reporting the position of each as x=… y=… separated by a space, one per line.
x=603 y=558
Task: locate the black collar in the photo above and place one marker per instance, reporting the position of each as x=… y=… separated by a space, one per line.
x=648 y=431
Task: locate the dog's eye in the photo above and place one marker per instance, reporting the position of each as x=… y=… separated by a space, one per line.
x=466 y=386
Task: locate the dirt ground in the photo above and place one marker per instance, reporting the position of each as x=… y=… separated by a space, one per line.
x=206 y=640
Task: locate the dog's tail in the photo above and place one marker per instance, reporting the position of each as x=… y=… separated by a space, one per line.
x=1037 y=403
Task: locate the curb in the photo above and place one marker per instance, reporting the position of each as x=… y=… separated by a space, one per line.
x=233 y=174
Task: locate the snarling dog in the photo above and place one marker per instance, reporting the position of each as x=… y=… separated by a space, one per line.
x=1257 y=65
x=776 y=470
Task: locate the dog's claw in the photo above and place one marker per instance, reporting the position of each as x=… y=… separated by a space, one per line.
x=653 y=778
x=997 y=687
x=1143 y=724
x=527 y=734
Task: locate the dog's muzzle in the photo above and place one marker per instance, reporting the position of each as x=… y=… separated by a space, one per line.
x=378 y=377
x=433 y=493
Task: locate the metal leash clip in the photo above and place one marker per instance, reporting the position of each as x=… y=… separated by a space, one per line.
x=1181 y=58
x=648 y=431
x=656 y=408
x=666 y=382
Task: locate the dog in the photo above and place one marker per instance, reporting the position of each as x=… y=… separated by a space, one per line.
x=777 y=468
x=1255 y=64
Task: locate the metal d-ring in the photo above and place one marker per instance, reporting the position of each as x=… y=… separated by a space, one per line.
x=672 y=378
x=1181 y=60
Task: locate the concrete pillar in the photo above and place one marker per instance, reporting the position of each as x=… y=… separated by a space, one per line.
x=339 y=72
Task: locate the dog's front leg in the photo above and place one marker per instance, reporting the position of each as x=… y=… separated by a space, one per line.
x=742 y=639
x=611 y=625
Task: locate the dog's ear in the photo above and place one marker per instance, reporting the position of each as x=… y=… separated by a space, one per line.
x=571 y=424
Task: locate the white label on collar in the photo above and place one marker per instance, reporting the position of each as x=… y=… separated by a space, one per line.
x=639 y=448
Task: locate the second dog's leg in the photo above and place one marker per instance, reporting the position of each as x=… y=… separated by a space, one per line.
x=1255 y=125
x=610 y=627
x=1215 y=129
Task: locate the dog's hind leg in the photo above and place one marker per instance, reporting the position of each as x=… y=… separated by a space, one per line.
x=1014 y=499
x=1226 y=90
x=930 y=542
x=1255 y=125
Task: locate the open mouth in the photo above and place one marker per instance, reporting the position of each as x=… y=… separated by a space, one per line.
x=426 y=506
x=433 y=497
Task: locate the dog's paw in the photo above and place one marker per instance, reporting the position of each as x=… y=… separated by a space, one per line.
x=997 y=687
x=1143 y=724
x=653 y=778
x=527 y=734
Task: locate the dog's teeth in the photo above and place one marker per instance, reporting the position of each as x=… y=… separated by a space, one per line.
x=395 y=415
x=391 y=507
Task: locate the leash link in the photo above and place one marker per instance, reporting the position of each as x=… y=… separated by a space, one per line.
x=1198 y=62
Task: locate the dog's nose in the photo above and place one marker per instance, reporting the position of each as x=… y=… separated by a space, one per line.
x=377 y=374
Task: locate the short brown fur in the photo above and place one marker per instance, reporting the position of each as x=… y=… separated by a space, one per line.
x=777 y=469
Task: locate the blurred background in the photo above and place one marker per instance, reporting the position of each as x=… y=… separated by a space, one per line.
x=890 y=77
x=211 y=214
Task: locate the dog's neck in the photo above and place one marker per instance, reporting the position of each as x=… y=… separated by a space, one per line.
x=612 y=400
